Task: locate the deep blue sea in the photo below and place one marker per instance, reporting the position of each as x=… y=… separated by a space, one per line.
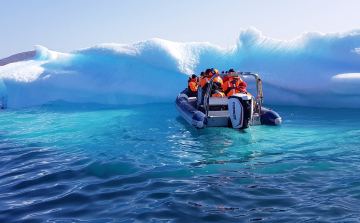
x=64 y=162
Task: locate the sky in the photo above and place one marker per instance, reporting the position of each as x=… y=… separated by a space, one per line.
x=68 y=25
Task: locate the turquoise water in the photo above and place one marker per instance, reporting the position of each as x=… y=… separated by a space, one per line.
x=64 y=162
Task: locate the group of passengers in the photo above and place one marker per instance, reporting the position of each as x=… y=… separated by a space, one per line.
x=226 y=86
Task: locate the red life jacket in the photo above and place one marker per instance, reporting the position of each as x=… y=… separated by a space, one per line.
x=231 y=86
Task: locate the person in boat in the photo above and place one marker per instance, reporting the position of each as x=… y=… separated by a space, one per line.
x=217 y=92
x=226 y=77
x=192 y=86
x=231 y=71
x=203 y=76
x=242 y=87
x=207 y=77
x=231 y=86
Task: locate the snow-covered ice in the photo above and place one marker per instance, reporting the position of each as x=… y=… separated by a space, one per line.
x=314 y=69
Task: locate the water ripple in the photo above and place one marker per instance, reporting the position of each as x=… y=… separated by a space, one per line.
x=160 y=170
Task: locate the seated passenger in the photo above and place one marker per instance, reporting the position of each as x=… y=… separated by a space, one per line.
x=203 y=78
x=231 y=86
x=209 y=73
x=217 y=92
x=192 y=86
x=202 y=74
x=226 y=78
x=242 y=87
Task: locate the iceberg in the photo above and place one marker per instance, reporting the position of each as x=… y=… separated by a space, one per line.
x=314 y=69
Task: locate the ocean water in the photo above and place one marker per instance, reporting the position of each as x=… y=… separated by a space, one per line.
x=64 y=162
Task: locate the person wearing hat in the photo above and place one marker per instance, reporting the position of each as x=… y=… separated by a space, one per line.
x=209 y=73
x=203 y=77
x=192 y=86
x=226 y=77
x=242 y=87
x=233 y=85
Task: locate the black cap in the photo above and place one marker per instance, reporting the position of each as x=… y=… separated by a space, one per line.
x=193 y=76
x=231 y=70
x=202 y=73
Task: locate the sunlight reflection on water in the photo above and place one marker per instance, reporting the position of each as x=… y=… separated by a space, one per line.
x=61 y=162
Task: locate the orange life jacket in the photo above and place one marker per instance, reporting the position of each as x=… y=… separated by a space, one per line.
x=192 y=86
x=218 y=94
x=231 y=86
x=207 y=79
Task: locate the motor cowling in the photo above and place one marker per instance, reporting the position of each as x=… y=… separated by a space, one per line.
x=240 y=110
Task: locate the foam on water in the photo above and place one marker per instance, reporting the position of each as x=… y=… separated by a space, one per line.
x=314 y=69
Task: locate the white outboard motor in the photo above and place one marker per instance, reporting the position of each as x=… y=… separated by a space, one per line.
x=240 y=110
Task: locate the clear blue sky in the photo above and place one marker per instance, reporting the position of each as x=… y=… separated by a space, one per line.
x=67 y=25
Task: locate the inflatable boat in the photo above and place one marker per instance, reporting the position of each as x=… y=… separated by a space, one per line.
x=238 y=111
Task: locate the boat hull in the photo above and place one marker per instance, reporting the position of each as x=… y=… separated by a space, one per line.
x=187 y=110
x=239 y=112
x=269 y=117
